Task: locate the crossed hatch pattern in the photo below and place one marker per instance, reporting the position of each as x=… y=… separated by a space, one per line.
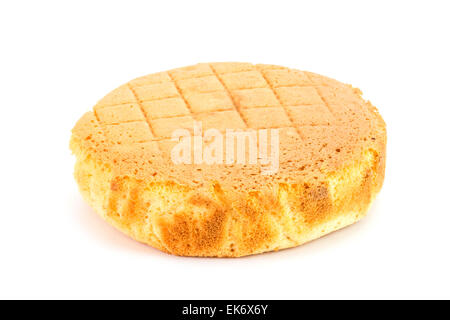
x=219 y=95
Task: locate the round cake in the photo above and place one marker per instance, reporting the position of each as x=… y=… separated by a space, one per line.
x=230 y=159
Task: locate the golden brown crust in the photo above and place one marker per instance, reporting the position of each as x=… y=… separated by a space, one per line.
x=332 y=161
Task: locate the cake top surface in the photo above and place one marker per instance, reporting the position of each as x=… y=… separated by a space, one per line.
x=321 y=125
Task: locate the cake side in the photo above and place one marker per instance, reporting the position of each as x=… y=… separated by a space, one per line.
x=180 y=220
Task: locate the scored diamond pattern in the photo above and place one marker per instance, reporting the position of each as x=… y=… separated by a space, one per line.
x=220 y=95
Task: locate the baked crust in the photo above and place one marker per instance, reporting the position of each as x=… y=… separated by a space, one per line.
x=330 y=170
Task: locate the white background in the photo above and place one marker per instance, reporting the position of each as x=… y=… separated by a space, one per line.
x=59 y=57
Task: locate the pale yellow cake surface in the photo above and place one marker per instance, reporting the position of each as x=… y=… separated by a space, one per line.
x=331 y=166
